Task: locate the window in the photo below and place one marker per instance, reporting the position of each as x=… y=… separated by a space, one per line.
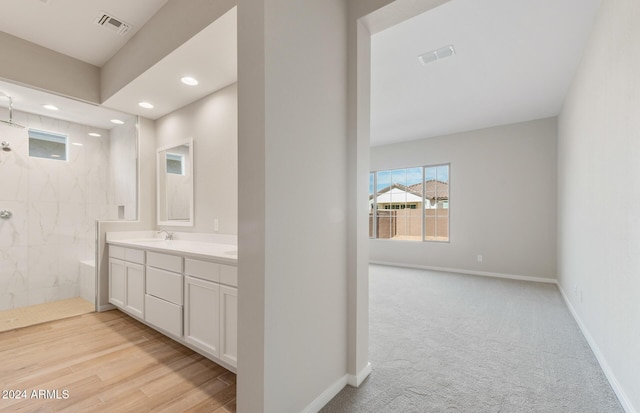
x=410 y=204
x=436 y=212
x=175 y=164
x=47 y=145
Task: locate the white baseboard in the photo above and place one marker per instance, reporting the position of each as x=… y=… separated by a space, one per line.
x=622 y=397
x=326 y=396
x=469 y=272
x=334 y=389
x=356 y=380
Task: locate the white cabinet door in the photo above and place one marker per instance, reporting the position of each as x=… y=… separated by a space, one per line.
x=117 y=282
x=202 y=315
x=229 y=325
x=135 y=289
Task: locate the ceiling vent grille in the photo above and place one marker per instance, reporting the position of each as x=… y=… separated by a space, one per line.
x=109 y=22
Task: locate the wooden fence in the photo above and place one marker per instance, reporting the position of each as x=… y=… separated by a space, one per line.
x=407 y=224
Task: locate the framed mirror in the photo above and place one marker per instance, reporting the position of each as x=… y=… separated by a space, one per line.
x=175 y=184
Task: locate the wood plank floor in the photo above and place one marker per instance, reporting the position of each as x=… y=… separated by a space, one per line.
x=107 y=362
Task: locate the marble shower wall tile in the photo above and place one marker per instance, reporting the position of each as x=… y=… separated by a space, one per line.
x=55 y=205
x=43 y=266
x=43 y=223
x=13 y=165
x=123 y=153
x=14 y=284
x=14 y=231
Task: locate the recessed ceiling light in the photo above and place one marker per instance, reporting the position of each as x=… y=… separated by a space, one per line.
x=437 y=54
x=50 y=107
x=188 y=80
x=76 y=143
x=95 y=135
x=117 y=121
x=145 y=105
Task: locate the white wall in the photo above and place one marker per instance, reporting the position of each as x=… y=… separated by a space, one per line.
x=212 y=122
x=292 y=242
x=503 y=200
x=599 y=195
x=27 y=63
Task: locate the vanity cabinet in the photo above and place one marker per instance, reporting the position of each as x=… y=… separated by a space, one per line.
x=127 y=280
x=194 y=301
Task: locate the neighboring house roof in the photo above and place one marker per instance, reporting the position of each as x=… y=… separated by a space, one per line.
x=433 y=190
x=396 y=196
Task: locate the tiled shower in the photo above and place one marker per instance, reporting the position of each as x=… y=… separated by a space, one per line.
x=54 y=205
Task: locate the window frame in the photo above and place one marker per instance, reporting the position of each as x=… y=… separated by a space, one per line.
x=48 y=136
x=374 y=203
x=176 y=157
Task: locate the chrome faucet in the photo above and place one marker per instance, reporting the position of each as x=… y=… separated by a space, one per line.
x=167 y=237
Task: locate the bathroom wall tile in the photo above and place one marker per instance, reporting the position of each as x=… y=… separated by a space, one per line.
x=55 y=205
x=43 y=179
x=72 y=223
x=13 y=269
x=14 y=173
x=73 y=185
x=43 y=222
x=10 y=301
x=97 y=185
x=6 y=302
x=69 y=263
x=43 y=295
x=14 y=231
x=87 y=282
x=69 y=290
x=43 y=264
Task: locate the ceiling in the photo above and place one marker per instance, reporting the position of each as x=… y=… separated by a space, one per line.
x=210 y=56
x=30 y=100
x=514 y=62
x=67 y=26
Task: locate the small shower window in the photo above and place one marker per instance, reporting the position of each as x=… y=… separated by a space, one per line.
x=175 y=164
x=47 y=145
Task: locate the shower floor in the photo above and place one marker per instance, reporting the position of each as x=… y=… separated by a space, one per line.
x=36 y=314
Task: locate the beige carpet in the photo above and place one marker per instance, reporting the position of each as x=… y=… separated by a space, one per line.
x=442 y=342
x=36 y=314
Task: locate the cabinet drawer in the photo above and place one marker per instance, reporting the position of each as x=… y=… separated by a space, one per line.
x=163 y=314
x=229 y=275
x=116 y=252
x=164 y=284
x=164 y=261
x=136 y=256
x=202 y=269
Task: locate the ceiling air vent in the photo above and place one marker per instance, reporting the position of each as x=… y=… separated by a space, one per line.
x=115 y=25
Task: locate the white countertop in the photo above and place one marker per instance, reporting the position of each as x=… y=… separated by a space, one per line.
x=223 y=253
